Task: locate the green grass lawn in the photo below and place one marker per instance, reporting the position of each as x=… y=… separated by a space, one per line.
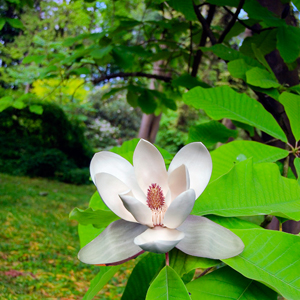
x=39 y=244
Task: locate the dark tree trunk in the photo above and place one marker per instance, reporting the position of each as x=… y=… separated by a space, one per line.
x=286 y=77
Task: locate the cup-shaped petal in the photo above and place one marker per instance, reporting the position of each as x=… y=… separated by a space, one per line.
x=179 y=209
x=149 y=167
x=159 y=239
x=109 y=188
x=205 y=238
x=114 y=245
x=197 y=159
x=140 y=211
x=179 y=181
x=119 y=167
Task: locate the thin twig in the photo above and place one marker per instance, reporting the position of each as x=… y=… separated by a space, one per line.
x=131 y=74
x=232 y=21
x=204 y=272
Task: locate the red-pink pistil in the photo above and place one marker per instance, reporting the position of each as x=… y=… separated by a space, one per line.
x=156 y=202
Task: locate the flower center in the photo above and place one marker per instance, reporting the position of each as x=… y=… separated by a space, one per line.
x=156 y=202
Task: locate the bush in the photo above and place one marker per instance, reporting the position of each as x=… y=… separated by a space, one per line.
x=42 y=145
x=75 y=176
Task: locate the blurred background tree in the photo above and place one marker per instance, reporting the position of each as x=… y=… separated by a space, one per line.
x=107 y=63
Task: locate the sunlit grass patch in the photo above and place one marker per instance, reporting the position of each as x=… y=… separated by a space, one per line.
x=39 y=244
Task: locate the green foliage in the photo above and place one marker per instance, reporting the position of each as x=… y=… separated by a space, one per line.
x=210 y=133
x=222 y=102
x=226 y=282
x=105 y=274
x=291 y=105
x=183 y=263
x=186 y=45
x=46 y=145
x=228 y=155
x=275 y=268
x=142 y=275
x=112 y=120
x=98 y=218
x=167 y=286
x=254 y=189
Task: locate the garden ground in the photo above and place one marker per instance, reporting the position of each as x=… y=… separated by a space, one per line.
x=39 y=244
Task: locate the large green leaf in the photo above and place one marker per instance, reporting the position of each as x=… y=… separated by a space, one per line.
x=238 y=68
x=147 y=102
x=261 y=78
x=167 y=286
x=264 y=41
x=256 y=11
x=225 y=283
x=232 y=222
x=183 y=263
x=98 y=218
x=185 y=7
x=288 y=42
x=224 y=102
x=271 y=257
x=291 y=103
x=226 y=156
x=210 y=133
x=230 y=54
x=100 y=52
x=188 y=81
x=142 y=275
x=36 y=58
x=249 y=190
x=123 y=57
x=105 y=274
x=15 y=23
x=97 y=203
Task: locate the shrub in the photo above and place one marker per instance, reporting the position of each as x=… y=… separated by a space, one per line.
x=42 y=145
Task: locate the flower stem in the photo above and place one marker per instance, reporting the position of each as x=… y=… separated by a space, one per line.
x=167 y=259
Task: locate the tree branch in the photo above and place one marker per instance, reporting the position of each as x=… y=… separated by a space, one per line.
x=206 y=24
x=132 y=74
x=232 y=21
x=199 y=53
x=245 y=25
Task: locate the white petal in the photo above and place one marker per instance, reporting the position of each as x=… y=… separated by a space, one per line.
x=168 y=198
x=109 y=188
x=114 y=164
x=114 y=245
x=179 y=209
x=141 y=212
x=179 y=181
x=149 y=167
x=204 y=238
x=197 y=159
x=159 y=239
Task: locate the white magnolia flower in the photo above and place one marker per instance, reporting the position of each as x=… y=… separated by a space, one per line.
x=154 y=206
